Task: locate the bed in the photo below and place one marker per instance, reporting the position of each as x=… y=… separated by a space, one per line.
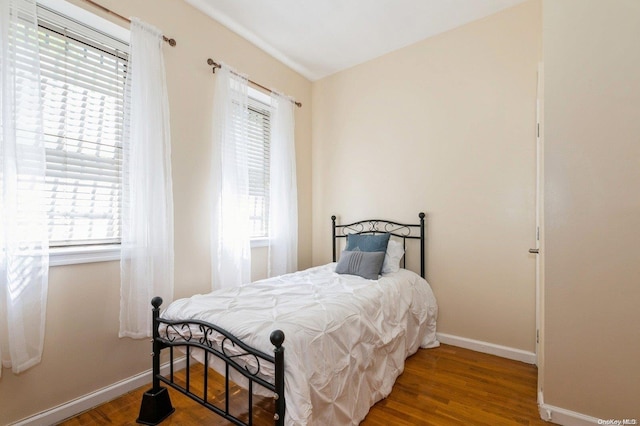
x=346 y=336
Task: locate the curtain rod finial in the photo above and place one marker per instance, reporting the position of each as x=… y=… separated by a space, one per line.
x=171 y=41
x=213 y=64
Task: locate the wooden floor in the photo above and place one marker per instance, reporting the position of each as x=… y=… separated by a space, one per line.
x=442 y=386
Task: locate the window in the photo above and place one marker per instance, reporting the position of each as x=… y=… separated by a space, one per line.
x=83 y=73
x=259 y=135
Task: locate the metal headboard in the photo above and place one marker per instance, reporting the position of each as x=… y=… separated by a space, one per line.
x=379 y=226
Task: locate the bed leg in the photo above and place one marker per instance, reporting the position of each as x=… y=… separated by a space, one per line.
x=277 y=338
x=156 y=403
x=155 y=407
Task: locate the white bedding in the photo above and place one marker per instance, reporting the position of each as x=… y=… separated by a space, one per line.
x=346 y=338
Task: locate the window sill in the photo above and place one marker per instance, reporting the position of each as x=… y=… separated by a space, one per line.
x=59 y=256
x=259 y=242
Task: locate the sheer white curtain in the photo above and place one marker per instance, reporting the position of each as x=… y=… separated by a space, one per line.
x=230 y=227
x=146 y=267
x=283 y=191
x=24 y=245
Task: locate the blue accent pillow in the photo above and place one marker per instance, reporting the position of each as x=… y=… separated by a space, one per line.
x=363 y=263
x=367 y=242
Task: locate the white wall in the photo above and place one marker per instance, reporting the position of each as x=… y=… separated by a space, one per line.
x=445 y=126
x=592 y=207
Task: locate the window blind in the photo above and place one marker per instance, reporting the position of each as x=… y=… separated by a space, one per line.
x=82 y=89
x=258 y=148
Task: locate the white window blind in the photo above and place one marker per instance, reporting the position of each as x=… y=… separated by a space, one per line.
x=258 y=140
x=83 y=74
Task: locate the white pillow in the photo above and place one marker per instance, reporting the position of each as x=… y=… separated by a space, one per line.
x=395 y=251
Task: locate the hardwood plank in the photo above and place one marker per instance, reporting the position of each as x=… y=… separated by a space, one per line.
x=441 y=386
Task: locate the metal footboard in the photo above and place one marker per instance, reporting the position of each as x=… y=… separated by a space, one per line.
x=156 y=404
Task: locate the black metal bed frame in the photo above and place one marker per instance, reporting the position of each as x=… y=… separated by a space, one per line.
x=380 y=226
x=156 y=404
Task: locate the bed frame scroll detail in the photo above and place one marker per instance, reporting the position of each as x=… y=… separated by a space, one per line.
x=156 y=404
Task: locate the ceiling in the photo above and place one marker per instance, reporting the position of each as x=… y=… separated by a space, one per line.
x=320 y=37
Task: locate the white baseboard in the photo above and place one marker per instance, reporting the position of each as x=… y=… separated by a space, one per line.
x=488 y=348
x=93 y=399
x=563 y=416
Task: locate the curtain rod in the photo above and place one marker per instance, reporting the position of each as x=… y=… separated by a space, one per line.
x=171 y=41
x=217 y=65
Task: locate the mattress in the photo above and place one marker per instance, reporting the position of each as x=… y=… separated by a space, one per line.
x=346 y=338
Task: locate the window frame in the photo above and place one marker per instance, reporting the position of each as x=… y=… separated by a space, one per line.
x=70 y=255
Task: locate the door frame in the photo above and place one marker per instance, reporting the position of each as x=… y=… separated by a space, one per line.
x=539 y=231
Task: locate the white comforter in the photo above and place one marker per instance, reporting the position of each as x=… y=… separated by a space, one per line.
x=346 y=338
